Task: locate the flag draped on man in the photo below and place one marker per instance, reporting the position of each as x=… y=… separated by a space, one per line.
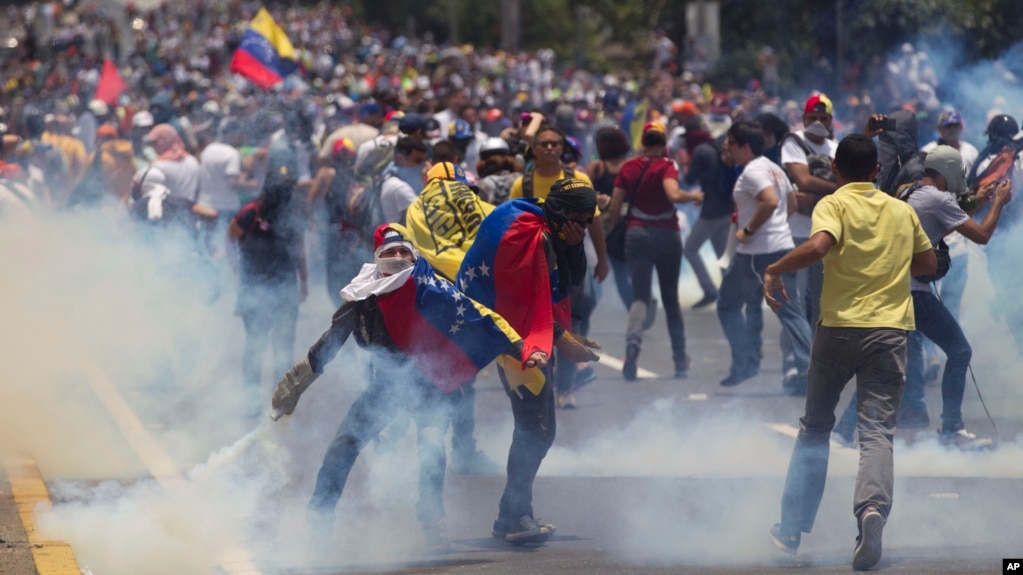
x=447 y=335
x=265 y=54
x=509 y=252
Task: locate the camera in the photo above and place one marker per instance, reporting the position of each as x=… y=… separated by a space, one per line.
x=967 y=202
x=887 y=124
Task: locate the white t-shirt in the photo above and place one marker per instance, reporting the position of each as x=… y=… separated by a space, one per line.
x=182 y=178
x=395 y=197
x=791 y=153
x=219 y=161
x=967 y=150
x=774 y=235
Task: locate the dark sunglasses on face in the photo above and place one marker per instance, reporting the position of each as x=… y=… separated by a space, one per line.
x=548 y=144
x=582 y=223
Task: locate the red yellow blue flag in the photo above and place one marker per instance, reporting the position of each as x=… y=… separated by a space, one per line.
x=446 y=334
x=265 y=54
x=507 y=270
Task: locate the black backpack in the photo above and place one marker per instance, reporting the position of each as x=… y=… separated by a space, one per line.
x=819 y=165
x=527 y=181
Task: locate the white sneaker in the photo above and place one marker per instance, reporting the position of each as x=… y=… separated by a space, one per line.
x=965 y=440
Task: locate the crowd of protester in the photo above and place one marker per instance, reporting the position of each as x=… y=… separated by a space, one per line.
x=310 y=169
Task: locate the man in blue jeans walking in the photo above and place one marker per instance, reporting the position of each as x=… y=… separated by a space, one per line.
x=870 y=243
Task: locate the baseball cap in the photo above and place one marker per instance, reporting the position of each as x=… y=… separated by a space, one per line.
x=432 y=128
x=460 y=130
x=390 y=235
x=369 y=109
x=447 y=171
x=818 y=103
x=412 y=123
x=950 y=118
x=946 y=161
x=343 y=147
x=684 y=107
x=654 y=126
x=106 y=131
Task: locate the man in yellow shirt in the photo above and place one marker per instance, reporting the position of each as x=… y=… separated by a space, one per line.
x=871 y=244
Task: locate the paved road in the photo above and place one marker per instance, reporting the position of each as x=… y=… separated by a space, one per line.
x=655 y=476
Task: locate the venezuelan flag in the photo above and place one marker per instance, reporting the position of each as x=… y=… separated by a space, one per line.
x=506 y=270
x=265 y=54
x=447 y=335
x=633 y=120
x=444 y=220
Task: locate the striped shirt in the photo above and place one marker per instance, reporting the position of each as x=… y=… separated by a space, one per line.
x=939 y=214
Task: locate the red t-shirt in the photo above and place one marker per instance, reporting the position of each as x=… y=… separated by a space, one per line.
x=649 y=197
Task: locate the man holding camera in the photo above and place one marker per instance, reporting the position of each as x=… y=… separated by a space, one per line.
x=934 y=197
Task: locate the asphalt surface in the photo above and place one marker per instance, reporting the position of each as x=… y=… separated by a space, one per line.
x=660 y=475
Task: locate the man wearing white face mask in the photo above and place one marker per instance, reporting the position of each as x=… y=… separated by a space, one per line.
x=805 y=154
x=400 y=310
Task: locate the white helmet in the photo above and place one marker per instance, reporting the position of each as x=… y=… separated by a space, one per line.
x=494 y=145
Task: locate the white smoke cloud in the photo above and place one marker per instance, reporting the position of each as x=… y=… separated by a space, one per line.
x=675 y=488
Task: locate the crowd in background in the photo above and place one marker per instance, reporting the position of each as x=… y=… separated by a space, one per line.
x=187 y=139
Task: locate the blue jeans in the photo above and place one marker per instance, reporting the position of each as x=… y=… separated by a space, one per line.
x=391 y=388
x=877 y=357
x=716 y=230
x=535 y=428
x=740 y=301
x=935 y=322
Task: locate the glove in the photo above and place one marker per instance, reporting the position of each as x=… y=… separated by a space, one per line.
x=290 y=388
x=576 y=347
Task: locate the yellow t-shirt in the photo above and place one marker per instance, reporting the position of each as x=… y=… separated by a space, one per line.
x=542 y=185
x=866 y=273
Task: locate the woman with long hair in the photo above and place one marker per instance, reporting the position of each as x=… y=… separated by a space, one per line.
x=652 y=241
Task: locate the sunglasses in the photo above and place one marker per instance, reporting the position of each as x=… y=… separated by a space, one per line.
x=548 y=144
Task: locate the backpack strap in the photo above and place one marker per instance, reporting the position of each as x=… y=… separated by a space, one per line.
x=527 y=180
x=527 y=184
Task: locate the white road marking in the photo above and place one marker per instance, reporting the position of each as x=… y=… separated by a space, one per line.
x=617 y=364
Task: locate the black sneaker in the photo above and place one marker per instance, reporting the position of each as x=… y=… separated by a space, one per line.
x=682 y=368
x=735 y=378
x=525 y=530
x=787 y=543
x=503 y=526
x=868 y=545
x=630 y=367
